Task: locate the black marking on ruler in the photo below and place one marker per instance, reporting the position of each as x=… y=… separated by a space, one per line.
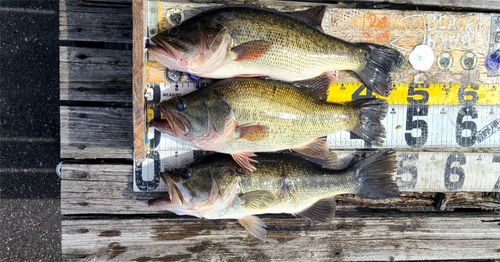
x=450 y=171
x=487 y=131
x=148 y=185
x=496 y=159
x=407 y=166
x=417 y=108
x=461 y=125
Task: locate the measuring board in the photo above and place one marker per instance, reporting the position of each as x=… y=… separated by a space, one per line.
x=454 y=104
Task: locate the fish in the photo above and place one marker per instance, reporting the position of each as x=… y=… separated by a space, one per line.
x=217 y=188
x=241 y=116
x=245 y=41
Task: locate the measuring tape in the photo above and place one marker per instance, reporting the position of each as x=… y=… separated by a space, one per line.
x=416 y=171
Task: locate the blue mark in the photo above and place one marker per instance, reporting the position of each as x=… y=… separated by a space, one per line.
x=492 y=61
x=193 y=78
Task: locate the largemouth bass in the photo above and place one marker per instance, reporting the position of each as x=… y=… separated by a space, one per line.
x=241 y=116
x=217 y=188
x=247 y=41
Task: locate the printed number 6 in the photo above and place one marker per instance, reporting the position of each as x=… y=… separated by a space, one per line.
x=456 y=170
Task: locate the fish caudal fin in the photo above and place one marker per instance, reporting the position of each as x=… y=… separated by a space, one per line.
x=380 y=62
x=369 y=127
x=375 y=175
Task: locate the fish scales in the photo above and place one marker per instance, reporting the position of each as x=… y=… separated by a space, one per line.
x=295 y=182
x=311 y=51
x=291 y=114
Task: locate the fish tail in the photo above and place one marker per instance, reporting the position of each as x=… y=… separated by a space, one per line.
x=369 y=126
x=375 y=175
x=380 y=62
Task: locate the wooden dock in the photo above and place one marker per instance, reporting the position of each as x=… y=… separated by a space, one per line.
x=104 y=220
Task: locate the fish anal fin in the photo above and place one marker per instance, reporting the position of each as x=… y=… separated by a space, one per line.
x=319 y=85
x=252 y=133
x=316 y=148
x=254 y=226
x=251 y=50
x=315 y=14
x=323 y=210
x=257 y=200
x=243 y=159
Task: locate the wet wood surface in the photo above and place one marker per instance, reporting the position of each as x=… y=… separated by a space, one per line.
x=104 y=220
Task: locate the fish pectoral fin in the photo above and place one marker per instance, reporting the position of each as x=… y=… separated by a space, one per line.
x=252 y=133
x=329 y=160
x=315 y=14
x=243 y=159
x=319 y=85
x=316 y=148
x=254 y=226
x=323 y=210
x=257 y=200
x=251 y=50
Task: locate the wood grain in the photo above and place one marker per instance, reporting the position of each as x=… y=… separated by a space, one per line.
x=96 y=132
x=95 y=21
x=413 y=236
x=98 y=75
x=138 y=99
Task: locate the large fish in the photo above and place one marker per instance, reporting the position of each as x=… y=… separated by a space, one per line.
x=241 y=116
x=217 y=188
x=248 y=41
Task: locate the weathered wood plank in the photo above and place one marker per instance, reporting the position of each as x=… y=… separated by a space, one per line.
x=411 y=237
x=107 y=189
x=95 y=21
x=96 y=132
x=90 y=74
x=139 y=76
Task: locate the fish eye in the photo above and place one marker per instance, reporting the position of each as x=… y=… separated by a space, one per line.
x=185 y=174
x=181 y=105
x=174 y=31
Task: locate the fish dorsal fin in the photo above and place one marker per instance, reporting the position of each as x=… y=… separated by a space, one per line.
x=315 y=14
x=316 y=148
x=329 y=160
x=257 y=200
x=323 y=210
x=243 y=159
x=254 y=226
x=251 y=50
x=318 y=85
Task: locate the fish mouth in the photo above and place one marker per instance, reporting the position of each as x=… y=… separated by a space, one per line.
x=174 y=124
x=177 y=194
x=167 y=53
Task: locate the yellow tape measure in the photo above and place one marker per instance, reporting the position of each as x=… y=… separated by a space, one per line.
x=430 y=94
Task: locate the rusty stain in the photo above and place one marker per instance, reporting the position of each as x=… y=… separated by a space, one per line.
x=110 y=233
x=83 y=175
x=82 y=147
